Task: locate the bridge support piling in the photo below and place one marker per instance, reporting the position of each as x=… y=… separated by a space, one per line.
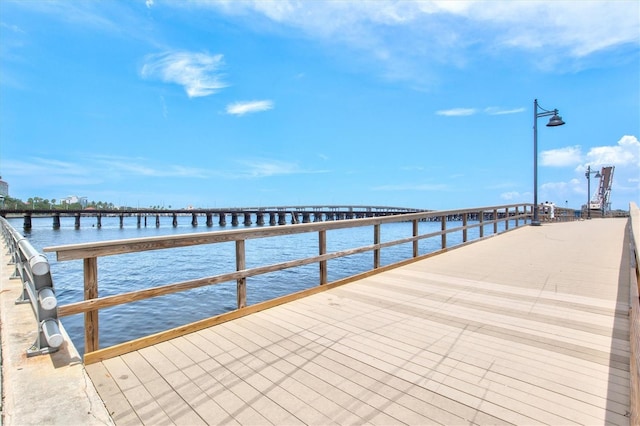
x=194 y=220
x=27 y=221
x=174 y=222
x=77 y=222
x=260 y=219
x=121 y=221
x=306 y=217
x=209 y=219
x=282 y=218
x=223 y=219
x=139 y=219
x=295 y=218
x=247 y=219
x=56 y=221
x=272 y=218
x=234 y=219
x=157 y=221
x=99 y=221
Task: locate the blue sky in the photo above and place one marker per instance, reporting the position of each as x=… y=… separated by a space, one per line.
x=398 y=103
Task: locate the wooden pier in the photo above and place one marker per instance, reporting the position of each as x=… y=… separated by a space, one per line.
x=538 y=325
x=531 y=327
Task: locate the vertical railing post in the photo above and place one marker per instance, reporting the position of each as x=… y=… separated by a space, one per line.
x=241 y=264
x=495 y=221
x=443 y=228
x=415 y=234
x=506 y=215
x=464 y=227
x=322 y=249
x=91 y=332
x=376 y=241
x=481 y=221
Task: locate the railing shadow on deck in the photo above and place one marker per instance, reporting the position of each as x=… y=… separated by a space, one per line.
x=482 y=218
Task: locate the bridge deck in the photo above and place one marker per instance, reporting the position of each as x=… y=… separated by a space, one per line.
x=529 y=327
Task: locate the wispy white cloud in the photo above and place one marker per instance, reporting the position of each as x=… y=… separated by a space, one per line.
x=124 y=167
x=447 y=31
x=165 y=110
x=198 y=73
x=43 y=172
x=82 y=171
x=241 y=108
x=457 y=112
x=259 y=168
x=13 y=28
x=503 y=111
x=515 y=196
x=463 y=112
x=413 y=187
x=561 y=157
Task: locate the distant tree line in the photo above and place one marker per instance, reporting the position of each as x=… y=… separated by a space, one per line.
x=37 y=203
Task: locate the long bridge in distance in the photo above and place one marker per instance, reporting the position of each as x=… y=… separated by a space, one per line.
x=271 y=215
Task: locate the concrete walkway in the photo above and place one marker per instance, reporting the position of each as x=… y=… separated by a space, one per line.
x=43 y=390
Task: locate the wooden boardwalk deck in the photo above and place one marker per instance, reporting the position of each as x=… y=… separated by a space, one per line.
x=530 y=327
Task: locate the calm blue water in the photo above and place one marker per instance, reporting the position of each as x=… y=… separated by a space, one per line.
x=129 y=272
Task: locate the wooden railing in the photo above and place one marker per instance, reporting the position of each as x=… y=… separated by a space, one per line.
x=634 y=316
x=481 y=218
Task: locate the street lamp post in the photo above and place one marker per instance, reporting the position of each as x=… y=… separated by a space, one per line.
x=555 y=120
x=588 y=174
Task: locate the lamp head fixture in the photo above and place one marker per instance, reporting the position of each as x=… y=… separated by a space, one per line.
x=556 y=120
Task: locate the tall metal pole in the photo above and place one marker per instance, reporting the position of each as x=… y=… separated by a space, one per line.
x=588 y=191
x=536 y=220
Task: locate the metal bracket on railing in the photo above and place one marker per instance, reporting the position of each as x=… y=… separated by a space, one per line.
x=37 y=289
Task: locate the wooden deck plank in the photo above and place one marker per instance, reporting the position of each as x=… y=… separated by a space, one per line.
x=490 y=314
x=144 y=404
x=209 y=410
x=116 y=402
x=508 y=339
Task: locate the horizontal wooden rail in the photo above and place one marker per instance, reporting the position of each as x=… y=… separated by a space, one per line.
x=90 y=252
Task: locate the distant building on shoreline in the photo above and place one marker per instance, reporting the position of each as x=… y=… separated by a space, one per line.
x=73 y=199
x=4 y=188
x=4 y=191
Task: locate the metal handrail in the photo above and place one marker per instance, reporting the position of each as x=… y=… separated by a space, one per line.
x=32 y=268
